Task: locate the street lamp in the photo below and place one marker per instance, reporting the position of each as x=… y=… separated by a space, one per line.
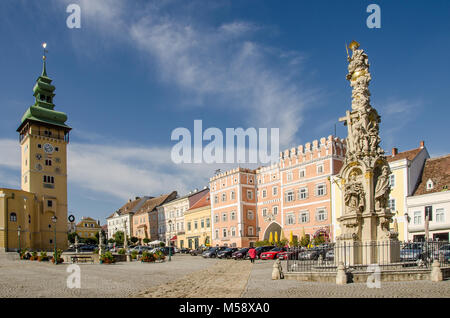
x=54 y=219
x=170 y=231
x=18 y=234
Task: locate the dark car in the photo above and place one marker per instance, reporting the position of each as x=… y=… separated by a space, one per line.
x=197 y=251
x=87 y=248
x=412 y=252
x=212 y=252
x=227 y=253
x=262 y=249
x=165 y=250
x=312 y=254
x=184 y=250
x=240 y=254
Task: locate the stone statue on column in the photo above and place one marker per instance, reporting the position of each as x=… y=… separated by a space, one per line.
x=365 y=171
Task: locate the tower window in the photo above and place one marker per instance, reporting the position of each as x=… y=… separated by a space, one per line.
x=48 y=162
x=56 y=148
x=13 y=217
x=49 y=179
x=49 y=203
x=39 y=146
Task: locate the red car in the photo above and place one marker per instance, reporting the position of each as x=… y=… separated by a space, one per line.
x=292 y=254
x=273 y=253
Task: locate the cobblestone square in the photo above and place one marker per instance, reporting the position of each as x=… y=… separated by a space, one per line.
x=187 y=276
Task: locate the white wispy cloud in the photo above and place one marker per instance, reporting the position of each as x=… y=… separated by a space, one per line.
x=117 y=170
x=208 y=62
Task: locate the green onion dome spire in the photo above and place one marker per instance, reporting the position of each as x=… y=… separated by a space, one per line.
x=43 y=108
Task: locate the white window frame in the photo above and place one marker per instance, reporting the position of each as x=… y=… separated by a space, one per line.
x=440 y=215
x=303 y=213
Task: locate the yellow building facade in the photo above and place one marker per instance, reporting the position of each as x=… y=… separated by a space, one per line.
x=87 y=228
x=27 y=216
x=198 y=223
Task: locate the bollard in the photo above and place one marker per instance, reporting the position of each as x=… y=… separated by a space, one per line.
x=277 y=271
x=341 y=276
x=436 y=272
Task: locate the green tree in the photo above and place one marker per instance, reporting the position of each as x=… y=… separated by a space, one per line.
x=119 y=237
x=162 y=244
x=304 y=241
x=146 y=240
x=71 y=237
x=134 y=239
x=111 y=241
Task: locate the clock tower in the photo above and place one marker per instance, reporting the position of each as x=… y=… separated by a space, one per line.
x=44 y=136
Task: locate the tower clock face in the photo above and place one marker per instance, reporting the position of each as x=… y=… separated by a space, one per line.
x=48 y=148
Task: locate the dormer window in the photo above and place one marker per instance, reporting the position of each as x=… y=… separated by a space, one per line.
x=430 y=184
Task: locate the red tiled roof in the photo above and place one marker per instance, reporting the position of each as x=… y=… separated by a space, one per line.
x=409 y=154
x=438 y=171
x=204 y=201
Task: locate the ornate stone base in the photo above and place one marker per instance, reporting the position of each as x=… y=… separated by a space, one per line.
x=352 y=252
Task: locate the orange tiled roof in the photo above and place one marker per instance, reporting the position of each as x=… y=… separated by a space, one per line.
x=438 y=170
x=409 y=154
x=204 y=201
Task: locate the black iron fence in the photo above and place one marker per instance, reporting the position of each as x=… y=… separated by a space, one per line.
x=392 y=255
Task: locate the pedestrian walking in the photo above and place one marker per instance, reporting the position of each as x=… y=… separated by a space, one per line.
x=252 y=254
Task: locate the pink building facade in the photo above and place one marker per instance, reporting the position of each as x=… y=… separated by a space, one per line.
x=293 y=195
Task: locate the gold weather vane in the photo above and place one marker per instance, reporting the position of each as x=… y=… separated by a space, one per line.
x=44 y=45
x=353 y=45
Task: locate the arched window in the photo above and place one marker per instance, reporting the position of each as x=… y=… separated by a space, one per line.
x=13 y=217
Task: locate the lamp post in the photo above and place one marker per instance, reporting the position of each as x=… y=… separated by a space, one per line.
x=54 y=219
x=170 y=232
x=18 y=235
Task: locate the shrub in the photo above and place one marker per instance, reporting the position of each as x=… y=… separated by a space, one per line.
x=24 y=254
x=134 y=254
x=34 y=256
x=43 y=257
x=146 y=240
x=159 y=255
x=147 y=257
x=58 y=257
x=107 y=258
x=122 y=251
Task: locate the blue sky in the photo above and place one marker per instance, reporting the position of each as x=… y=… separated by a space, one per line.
x=136 y=70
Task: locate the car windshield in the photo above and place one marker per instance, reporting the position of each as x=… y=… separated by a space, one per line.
x=276 y=249
x=243 y=250
x=229 y=249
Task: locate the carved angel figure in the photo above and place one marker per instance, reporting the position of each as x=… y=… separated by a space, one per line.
x=354 y=195
x=382 y=189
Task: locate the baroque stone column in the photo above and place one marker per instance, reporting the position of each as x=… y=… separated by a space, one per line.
x=364 y=177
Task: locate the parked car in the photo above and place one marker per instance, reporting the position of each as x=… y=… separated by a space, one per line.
x=197 y=251
x=329 y=256
x=412 y=252
x=88 y=248
x=184 y=250
x=291 y=253
x=312 y=254
x=212 y=252
x=240 y=254
x=262 y=249
x=227 y=253
x=273 y=253
x=140 y=249
x=444 y=251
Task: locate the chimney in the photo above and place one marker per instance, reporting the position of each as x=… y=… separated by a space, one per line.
x=422 y=144
x=394 y=152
